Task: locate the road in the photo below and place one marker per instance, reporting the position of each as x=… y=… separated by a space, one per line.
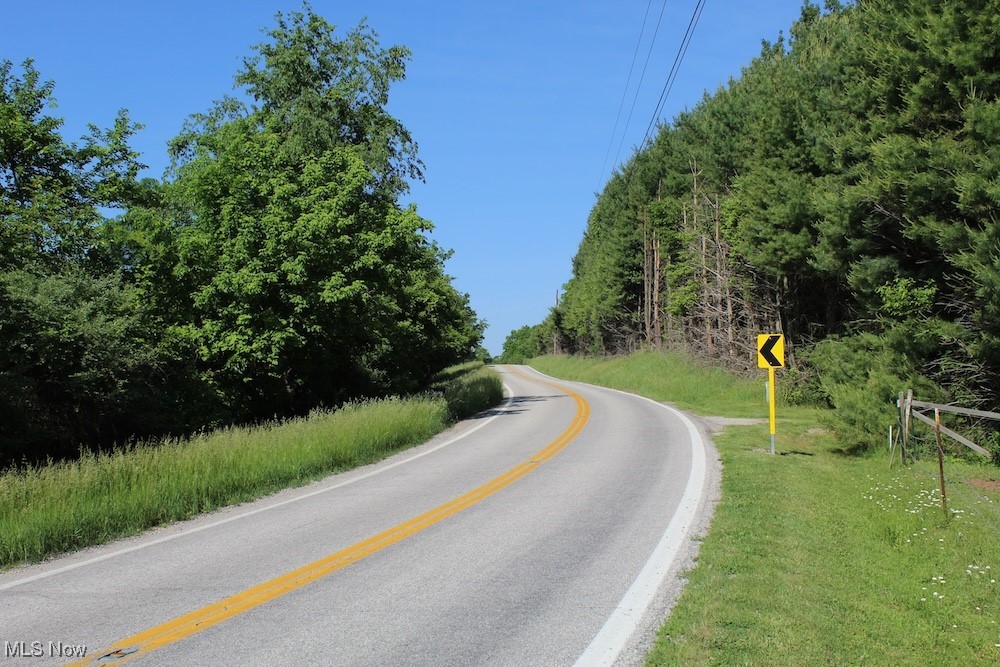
x=546 y=532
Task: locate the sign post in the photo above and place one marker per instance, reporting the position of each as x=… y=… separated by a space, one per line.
x=771 y=355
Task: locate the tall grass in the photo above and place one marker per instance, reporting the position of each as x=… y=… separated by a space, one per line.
x=68 y=505
x=469 y=388
x=815 y=557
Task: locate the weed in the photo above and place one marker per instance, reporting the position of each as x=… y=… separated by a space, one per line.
x=100 y=497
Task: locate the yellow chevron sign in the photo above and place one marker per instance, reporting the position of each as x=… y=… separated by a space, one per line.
x=770 y=351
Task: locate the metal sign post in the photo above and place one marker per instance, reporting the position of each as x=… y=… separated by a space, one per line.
x=770 y=396
x=771 y=355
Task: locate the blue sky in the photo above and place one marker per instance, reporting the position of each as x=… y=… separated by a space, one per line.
x=512 y=104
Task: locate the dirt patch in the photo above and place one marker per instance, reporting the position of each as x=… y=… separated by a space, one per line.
x=716 y=424
x=986 y=484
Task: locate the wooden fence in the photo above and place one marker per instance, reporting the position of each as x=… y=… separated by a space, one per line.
x=910 y=408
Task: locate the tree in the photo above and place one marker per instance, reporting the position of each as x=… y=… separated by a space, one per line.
x=50 y=191
x=80 y=354
x=280 y=249
x=274 y=270
x=842 y=189
x=523 y=344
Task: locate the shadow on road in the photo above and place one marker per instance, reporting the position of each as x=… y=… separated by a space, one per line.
x=515 y=406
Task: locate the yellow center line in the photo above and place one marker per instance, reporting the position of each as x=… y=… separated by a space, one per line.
x=210 y=615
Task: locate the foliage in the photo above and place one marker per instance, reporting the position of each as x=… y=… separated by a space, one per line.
x=843 y=187
x=102 y=496
x=319 y=286
x=860 y=376
x=522 y=344
x=273 y=271
x=50 y=191
x=82 y=359
x=83 y=362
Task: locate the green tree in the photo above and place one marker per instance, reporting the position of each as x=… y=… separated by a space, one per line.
x=83 y=364
x=520 y=345
x=51 y=192
x=81 y=356
x=853 y=169
x=279 y=248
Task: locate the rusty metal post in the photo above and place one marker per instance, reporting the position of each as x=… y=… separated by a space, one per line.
x=890 y=446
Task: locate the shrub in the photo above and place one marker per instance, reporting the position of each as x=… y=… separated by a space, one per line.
x=860 y=376
x=468 y=388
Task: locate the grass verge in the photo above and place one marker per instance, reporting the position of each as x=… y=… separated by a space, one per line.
x=670 y=377
x=815 y=557
x=64 y=506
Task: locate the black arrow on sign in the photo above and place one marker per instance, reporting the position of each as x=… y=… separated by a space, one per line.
x=765 y=351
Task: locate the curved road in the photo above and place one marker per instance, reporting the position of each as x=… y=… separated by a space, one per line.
x=536 y=534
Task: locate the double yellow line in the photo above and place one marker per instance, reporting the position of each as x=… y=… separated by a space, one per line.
x=189 y=624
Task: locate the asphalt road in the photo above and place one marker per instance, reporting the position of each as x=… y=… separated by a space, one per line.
x=547 y=532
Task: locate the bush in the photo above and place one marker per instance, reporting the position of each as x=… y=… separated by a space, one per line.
x=860 y=377
x=468 y=388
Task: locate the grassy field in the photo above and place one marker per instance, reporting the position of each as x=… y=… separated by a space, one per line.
x=64 y=506
x=815 y=557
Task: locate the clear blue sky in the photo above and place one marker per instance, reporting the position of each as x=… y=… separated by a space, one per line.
x=512 y=103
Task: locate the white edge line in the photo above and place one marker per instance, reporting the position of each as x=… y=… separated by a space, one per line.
x=214 y=524
x=611 y=639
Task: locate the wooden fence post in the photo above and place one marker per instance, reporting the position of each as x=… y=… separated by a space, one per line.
x=940 y=451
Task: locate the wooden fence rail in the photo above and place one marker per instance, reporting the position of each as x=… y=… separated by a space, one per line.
x=909 y=407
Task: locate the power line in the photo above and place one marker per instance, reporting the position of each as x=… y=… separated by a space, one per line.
x=678 y=59
x=621 y=104
x=642 y=76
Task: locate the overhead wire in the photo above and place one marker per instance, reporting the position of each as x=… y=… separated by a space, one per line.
x=638 y=87
x=678 y=59
x=621 y=104
x=667 y=86
x=642 y=76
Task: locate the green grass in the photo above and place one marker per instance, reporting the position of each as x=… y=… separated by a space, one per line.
x=815 y=557
x=64 y=506
x=687 y=384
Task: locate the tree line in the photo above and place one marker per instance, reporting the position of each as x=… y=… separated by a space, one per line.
x=271 y=271
x=843 y=190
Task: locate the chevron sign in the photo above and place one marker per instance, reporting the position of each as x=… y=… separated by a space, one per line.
x=770 y=351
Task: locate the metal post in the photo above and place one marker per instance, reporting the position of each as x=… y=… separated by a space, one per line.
x=770 y=396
